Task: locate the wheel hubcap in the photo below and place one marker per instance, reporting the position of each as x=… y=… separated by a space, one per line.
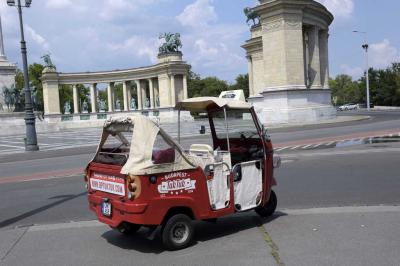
x=180 y=233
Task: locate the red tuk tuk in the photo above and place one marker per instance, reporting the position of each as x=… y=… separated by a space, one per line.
x=140 y=176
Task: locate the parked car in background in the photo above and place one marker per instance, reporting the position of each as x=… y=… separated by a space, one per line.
x=348 y=106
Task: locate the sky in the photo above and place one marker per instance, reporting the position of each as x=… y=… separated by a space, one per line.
x=92 y=35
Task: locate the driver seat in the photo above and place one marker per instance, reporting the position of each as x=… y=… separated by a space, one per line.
x=204 y=152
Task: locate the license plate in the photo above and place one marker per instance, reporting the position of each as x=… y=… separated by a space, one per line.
x=106 y=208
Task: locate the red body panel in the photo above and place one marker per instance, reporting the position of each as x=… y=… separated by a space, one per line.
x=151 y=206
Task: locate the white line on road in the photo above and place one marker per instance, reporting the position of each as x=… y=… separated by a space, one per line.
x=329 y=210
x=12 y=146
x=307 y=146
x=350 y=209
x=295 y=147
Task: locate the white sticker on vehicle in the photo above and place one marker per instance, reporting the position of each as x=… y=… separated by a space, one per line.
x=109 y=184
x=177 y=185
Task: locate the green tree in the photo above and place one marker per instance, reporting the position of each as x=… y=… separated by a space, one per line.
x=214 y=86
x=242 y=83
x=344 y=90
x=195 y=85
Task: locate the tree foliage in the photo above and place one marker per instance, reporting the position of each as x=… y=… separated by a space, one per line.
x=384 y=87
x=213 y=86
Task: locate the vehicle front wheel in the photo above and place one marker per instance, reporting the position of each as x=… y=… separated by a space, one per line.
x=177 y=233
x=270 y=206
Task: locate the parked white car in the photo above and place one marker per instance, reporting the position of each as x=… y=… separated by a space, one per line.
x=348 y=106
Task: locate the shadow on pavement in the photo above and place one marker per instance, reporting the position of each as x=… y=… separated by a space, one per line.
x=40 y=209
x=204 y=231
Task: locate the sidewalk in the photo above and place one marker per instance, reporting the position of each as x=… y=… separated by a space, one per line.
x=323 y=236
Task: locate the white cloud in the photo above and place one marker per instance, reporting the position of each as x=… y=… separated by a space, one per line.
x=37 y=38
x=355 y=72
x=382 y=54
x=339 y=8
x=58 y=4
x=112 y=8
x=138 y=47
x=200 y=13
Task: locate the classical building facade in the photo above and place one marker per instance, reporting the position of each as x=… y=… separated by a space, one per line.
x=288 y=62
x=152 y=90
x=7 y=75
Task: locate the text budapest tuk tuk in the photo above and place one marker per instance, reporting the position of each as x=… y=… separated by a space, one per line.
x=140 y=176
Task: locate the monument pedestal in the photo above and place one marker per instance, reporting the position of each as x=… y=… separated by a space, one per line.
x=288 y=62
x=293 y=106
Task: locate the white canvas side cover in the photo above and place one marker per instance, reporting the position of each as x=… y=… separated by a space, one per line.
x=249 y=187
x=218 y=187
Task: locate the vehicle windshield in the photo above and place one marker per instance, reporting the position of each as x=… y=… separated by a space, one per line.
x=240 y=124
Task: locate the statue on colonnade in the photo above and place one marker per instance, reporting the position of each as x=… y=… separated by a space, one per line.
x=172 y=43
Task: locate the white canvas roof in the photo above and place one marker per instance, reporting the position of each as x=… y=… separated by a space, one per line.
x=144 y=135
x=199 y=104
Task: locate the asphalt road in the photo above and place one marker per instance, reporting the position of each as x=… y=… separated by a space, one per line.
x=48 y=222
x=307 y=178
x=352 y=176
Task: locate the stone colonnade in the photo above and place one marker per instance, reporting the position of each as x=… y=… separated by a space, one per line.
x=156 y=87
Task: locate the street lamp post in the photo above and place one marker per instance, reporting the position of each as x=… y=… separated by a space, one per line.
x=365 y=46
x=31 y=138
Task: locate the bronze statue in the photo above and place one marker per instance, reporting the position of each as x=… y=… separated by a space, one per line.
x=172 y=43
x=47 y=61
x=251 y=15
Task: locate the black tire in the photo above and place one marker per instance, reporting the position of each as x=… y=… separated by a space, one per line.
x=177 y=232
x=128 y=228
x=269 y=208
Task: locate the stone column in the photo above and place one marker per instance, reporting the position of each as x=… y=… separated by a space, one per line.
x=185 y=91
x=324 y=56
x=315 y=67
x=164 y=92
x=51 y=94
x=139 y=95
x=110 y=97
x=129 y=94
x=250 y=69
x=283 y=52
x=151 y=89
x=125 y=95
x=172 y=89
x=76 y=99
x=93 y=98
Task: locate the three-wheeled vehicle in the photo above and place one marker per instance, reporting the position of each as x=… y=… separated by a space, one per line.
x=140 y=176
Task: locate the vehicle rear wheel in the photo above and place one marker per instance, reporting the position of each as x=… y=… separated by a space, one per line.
x=269 y=208
x=177 y=232
x=128 y=228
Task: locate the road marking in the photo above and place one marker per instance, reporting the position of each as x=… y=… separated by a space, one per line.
x=12 y=146
x=295 y=147
x=327 y=210
x=70 y=225
x=317 y=145
x=349 y=209
x=330 y=143
x=43 y=176
x=307 y=146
